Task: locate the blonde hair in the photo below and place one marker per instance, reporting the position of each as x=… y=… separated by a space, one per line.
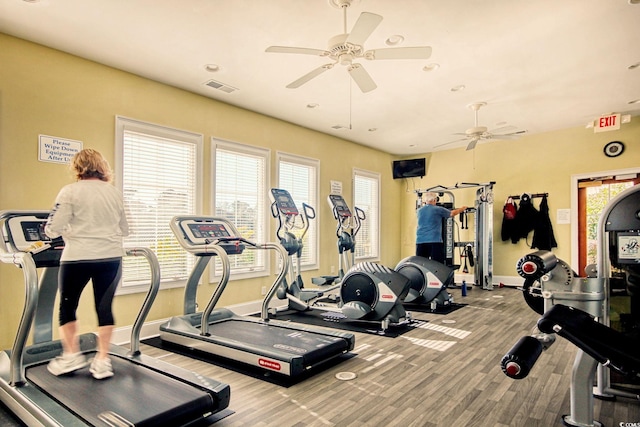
x=89 y=163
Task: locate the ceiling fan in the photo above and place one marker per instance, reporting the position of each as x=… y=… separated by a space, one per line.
x=344 y=48
x=479 y=133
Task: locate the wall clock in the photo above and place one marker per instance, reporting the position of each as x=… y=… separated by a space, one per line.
x=613 y=149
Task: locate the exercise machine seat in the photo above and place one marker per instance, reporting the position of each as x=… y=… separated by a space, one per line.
x=606 y=345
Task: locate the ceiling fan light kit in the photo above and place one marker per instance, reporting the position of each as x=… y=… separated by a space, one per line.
x=479 y=133
x=345 y=48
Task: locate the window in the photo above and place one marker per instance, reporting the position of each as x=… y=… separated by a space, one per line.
x=240 y=195
x=366 y=191
x=593 y=196
x=299 y=176
x=159 y=172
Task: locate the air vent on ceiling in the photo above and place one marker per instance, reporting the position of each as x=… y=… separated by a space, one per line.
x=221 y=86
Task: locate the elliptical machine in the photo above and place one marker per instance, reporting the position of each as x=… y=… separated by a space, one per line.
x=347 y=228
x=368 y=292
x=428 y=280
x=286 y=212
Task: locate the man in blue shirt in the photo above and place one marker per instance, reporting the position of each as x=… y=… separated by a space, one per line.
x=429 y=242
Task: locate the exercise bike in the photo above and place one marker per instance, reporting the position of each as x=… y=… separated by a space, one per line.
x=367 y=291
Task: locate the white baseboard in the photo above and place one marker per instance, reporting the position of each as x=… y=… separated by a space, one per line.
x=498 y=281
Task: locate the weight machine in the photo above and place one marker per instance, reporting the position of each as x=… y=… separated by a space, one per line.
x=577 y=309
x=480 y=251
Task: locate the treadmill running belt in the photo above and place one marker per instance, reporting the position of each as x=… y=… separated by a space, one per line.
x=273 y=340
x=138 y=394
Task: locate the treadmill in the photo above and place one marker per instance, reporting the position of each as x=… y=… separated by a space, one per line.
x=280 y=347
x=143 y=392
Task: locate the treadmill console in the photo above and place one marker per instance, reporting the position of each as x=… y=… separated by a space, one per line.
x=339 y=206
x=27 y=230
x=284 y=202
x=25 y=233
x=201 y=232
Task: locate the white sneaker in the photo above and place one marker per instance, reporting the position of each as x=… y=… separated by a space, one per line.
x=101 y=368
x=68 y=362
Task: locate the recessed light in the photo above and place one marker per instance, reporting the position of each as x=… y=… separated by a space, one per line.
x=313 y=105
x=633 y=66
x=412 y=145
x=634 y=1
x=635 y=101
x=458 y=88
x=431 y=67
x=212 y=68
x=394 y=40
x=373 y=129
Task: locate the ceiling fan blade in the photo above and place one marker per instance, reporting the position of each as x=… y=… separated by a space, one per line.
x=417 y=52
x=505 y=129
x=310 y=75
x=472 y=144
x=298 y=50
x=514 y=135
x=362 y=78
x=364 y=26
x=450 y=142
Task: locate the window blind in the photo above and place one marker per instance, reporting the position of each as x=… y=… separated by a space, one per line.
x=367 y=197
x=240 y=191
x=159 y=180
x=300 y=177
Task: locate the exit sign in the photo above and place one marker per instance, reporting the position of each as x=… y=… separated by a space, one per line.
x=607 y=123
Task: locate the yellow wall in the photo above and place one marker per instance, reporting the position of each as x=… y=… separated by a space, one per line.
x=541 y=163
x=44 y=91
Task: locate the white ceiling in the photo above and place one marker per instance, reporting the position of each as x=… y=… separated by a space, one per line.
x=540 y=65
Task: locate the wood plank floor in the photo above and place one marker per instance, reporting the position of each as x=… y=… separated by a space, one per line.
x=445 y=372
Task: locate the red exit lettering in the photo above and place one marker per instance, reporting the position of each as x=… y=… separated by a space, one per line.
x=606 y=123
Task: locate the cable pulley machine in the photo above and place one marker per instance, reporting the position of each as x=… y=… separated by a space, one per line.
x=479 y=252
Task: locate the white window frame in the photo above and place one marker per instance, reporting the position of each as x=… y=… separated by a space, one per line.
x=124 y=124
x=311 y=246
x=263 y=215
x=373 y=228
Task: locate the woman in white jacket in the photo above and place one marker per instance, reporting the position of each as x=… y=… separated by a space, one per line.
x=90 y=216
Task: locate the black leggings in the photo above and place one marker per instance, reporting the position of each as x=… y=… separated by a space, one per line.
x=74 y=276
x=435 y=251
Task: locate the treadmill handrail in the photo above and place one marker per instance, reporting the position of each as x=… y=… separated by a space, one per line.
x=154 y=287
x=25 y=261
x=213 y=248
x=284 y=267
x=222 y=284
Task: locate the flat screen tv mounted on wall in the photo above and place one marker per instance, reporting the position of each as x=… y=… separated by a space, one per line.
x=409 y=168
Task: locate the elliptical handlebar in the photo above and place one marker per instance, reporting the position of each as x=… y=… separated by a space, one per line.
x=349 y=224
x=358 y=218
x=288 y=221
